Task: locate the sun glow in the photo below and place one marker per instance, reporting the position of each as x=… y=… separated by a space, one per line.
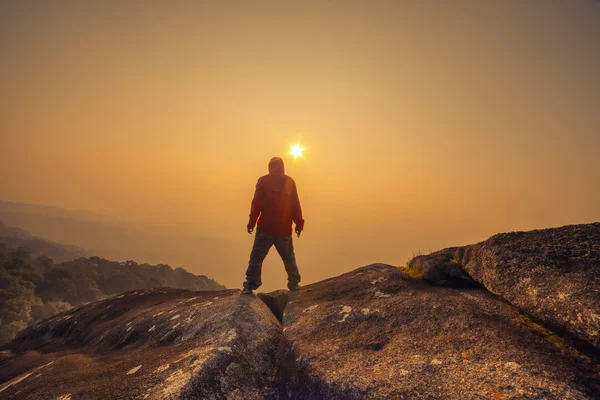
x=296 y=151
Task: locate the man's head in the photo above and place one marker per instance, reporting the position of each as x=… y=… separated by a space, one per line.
x=276 y=166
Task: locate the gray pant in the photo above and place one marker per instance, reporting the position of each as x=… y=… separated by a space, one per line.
x=262 y=245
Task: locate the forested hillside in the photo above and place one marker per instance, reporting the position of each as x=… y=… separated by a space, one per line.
x=33 y=287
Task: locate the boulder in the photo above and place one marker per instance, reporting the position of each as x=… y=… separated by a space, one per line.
x=378 y=333
x=551 y=274
x=441 y=269
x=149 y=344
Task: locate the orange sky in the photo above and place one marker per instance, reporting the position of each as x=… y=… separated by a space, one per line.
x=428 y=124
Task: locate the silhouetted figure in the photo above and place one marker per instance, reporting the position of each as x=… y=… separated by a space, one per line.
x=275 y=207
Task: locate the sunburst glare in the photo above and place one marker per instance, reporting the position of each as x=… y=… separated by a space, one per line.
x=297 y=151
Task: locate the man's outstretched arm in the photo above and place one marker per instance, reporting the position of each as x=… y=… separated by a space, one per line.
x=256 y=207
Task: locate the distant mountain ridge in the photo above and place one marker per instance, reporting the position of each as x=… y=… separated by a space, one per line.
x=115 y=239
x=17 y=237
x=26 y=208
x=94 y=232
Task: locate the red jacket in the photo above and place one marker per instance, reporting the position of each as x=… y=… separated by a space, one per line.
x=276 y=204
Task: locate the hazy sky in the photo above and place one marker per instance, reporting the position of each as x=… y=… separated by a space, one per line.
x=428 y=124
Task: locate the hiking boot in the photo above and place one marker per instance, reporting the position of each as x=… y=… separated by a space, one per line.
x=294 y=288
x=247 y=291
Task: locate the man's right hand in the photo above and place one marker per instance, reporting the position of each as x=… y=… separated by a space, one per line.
x=298 y=232
x=250 y=230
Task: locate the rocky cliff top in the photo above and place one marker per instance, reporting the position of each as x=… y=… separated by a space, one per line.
x=508 y=318
x=552 y=275
x=153 y=344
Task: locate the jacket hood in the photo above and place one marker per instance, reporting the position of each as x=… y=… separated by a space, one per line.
x=276 y=166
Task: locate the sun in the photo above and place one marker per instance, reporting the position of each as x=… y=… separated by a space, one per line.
x=296 y=151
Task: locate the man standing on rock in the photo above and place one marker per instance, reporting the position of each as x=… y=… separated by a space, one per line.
x=275 y=207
